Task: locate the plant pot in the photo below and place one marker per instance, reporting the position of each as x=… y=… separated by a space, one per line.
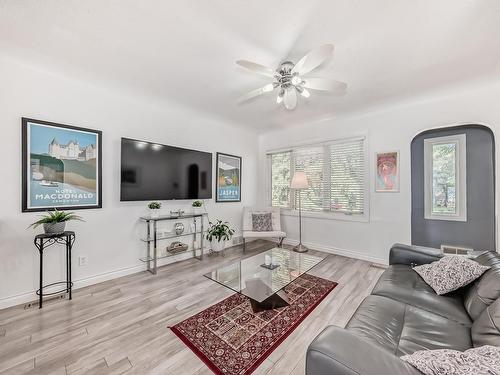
x=218 y=246
x=198 y=210
x=54 y=228
x=154 y=213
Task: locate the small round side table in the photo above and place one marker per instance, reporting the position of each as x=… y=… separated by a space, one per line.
x=42 y=241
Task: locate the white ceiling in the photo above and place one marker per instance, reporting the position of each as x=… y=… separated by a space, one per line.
x=185 y=50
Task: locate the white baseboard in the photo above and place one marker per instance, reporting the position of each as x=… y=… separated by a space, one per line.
x=338 y=251
x=31 y=296
x=96 y=279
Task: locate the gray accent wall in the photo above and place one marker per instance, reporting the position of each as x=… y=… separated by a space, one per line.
x=478 y=232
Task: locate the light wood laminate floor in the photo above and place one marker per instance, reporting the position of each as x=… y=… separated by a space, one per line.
x=120 y=326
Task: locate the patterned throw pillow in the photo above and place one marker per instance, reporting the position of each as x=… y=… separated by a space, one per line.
x=262 y=222
x=484 y=360
x=450 y=273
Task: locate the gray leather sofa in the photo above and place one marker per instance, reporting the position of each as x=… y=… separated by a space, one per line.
x=403 y=315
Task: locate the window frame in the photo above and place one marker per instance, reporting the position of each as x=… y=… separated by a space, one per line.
x=327 y=215
x=460 y=141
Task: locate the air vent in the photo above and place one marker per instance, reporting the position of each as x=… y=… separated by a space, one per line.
x=456 y=250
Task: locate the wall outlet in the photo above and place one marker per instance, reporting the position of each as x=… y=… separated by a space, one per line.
x=83 y=260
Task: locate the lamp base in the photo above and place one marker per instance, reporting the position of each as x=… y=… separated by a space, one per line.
x=300 y=248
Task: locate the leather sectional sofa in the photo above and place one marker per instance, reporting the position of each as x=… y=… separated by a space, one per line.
x=403 y=315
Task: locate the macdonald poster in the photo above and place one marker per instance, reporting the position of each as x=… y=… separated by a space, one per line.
x=228 y=180
x=61 y=166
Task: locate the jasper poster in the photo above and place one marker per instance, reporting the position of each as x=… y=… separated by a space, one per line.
x=228 y=182
x=61 y=166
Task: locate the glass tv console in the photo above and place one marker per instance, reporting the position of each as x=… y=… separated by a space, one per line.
x=153 y=237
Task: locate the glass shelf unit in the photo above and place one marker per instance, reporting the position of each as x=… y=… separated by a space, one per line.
x=152 y=238
x=172 y=217
x=170 y=236
x=168 y=255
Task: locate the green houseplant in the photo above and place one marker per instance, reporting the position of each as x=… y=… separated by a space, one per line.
x=218 y=233
x=55 y=221
x=154 y=209
x=197 y=204
x=197 y=207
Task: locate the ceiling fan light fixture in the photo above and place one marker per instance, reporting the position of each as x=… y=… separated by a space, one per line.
x=296 y=80
x=280 y=96
x=289 y=78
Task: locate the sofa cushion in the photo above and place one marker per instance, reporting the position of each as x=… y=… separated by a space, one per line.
x=450 y=273
x=403 y=329
x=486 y=328
x=337 y=351
x=485 y=290
x=401 y=283
x=484 y=360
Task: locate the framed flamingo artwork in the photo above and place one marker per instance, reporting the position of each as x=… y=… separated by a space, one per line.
x=387 y=172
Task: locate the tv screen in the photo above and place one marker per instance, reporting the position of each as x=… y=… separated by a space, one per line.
x=152 y=171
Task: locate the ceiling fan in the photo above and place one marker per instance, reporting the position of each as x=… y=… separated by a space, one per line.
x=289 y=78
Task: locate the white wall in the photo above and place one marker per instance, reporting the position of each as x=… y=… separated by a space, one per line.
x=389 y=128
x=109 y=237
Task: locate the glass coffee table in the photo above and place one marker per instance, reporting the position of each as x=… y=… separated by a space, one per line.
x=264 y=286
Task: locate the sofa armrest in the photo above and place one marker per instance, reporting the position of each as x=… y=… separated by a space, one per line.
x=413 y=255
x=339 y=351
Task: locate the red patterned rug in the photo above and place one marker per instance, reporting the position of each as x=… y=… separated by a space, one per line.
x=233 y=340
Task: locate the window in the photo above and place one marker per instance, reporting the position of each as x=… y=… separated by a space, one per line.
x=445 y=178
x=336 y=174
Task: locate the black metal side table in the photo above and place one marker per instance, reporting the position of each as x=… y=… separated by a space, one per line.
x=42 y=241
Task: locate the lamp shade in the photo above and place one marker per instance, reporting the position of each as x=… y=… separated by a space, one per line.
x=299 y=181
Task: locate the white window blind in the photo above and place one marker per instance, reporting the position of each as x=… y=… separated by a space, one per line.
x=280 y=179
x=347 y=181
x=311 y=161
x=336 y=174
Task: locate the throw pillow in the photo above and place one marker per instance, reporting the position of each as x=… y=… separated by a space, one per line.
x=450 y=273
x=484 y=360
x=262 y=222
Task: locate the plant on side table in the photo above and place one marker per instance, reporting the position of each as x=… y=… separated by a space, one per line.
x=218 y=234
x=54 y=222
x=154 y=209
x=197 y=207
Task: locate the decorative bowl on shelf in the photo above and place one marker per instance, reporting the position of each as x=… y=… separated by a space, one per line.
x=177 y=247
x=176 y=213
x=179 y=228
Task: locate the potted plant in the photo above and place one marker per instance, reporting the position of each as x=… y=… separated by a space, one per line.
x=218 y=234
x=54 y=222
x=154 y=209
x=197 y=207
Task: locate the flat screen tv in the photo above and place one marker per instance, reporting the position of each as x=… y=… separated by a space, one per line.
x=152 y=171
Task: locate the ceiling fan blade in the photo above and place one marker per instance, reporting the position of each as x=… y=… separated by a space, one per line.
x=290 y=99
x=313 y=59
x=256 y=68
x=252 y=94
x=325 y=84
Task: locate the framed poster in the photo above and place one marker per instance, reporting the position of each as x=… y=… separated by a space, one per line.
x=387 y=172
x=228 y=181
x=62 y=166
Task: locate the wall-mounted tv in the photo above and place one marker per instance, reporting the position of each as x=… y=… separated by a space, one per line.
x=152 y=171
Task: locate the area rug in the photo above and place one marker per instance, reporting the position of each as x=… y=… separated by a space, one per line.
x=233 y=340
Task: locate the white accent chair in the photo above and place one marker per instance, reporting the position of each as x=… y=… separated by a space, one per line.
x=248 y=231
